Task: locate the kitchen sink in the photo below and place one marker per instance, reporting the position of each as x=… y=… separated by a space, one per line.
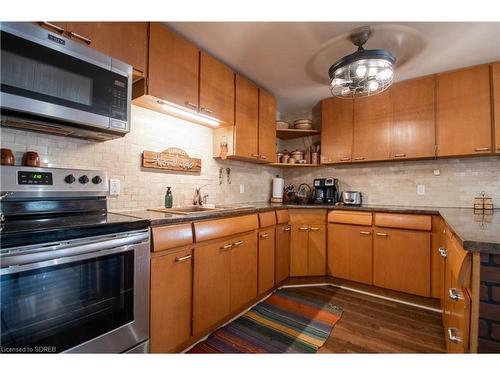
x=197 y=209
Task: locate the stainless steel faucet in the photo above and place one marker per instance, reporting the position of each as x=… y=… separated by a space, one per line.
x=198 y=199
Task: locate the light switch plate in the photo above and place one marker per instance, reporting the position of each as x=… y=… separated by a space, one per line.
x=114 y=186
x=242 y=188
x=420 y=189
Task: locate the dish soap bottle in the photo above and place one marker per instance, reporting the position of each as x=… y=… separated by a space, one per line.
x=169 y=198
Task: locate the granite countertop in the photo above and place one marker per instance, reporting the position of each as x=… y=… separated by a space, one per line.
x=476 y=233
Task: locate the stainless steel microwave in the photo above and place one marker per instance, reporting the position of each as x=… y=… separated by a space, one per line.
x=52 y=84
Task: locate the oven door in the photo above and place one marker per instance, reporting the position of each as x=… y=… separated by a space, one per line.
x=88 y=296
x=47 y=75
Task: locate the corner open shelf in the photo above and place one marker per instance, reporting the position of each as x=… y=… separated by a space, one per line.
x=295 y=133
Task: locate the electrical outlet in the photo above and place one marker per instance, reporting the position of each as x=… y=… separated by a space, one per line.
x=437 y=172
x=114 y=187
x=420 y=189
x=242 y=188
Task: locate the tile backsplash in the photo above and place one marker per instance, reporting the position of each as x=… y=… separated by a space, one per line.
x=145 y=188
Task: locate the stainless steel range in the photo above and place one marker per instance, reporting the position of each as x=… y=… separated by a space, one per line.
x=73 y=277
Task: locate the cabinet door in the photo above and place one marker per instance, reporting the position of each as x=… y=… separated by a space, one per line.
x=350 y=253
x=282 y=252
x=463 y=117
x=413 y=122
x=438 y=241
x=401 y=260
x=211 y=294
x=243 y=270
x=267 y=126
x=299 y=249
x=372 y=127
x=171 y=278
x=216 y=89
x=336 y=130
x=173 y=67
x=317 y=250
x=246 y=119
x=266 y=259
x=496 y=103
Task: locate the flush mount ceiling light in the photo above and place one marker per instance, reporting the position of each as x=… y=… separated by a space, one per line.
x=364 y=72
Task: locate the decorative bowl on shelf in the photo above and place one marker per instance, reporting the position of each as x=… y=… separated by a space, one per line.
x=303 y=124
x=280 y=125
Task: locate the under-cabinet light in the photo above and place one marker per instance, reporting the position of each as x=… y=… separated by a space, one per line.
x=188 y=115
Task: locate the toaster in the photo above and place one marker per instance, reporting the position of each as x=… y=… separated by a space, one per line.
x=352 y=198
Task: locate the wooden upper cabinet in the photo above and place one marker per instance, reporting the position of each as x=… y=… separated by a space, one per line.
x=125 y=41
x=495 y=74
x=246 y=119
x=463 y=117
x=413 y=119
x=216 y=89
x=173 y=67
x=267 y=126
x=336 y=130
x=372 y=127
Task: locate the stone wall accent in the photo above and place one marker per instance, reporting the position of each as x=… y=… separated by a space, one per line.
x=489 y=305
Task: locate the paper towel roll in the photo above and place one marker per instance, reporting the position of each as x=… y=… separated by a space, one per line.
x=278 y=185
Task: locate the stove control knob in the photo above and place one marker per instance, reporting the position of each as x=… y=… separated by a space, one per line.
x=97 y=180
x=84 y=179
x=70 y=179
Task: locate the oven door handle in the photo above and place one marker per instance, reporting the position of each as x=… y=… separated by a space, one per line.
x=11 y=263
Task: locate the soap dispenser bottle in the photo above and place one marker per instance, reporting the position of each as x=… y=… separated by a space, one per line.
x=169 y=198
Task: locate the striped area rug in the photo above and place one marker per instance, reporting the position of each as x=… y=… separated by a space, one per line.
x=291 y=320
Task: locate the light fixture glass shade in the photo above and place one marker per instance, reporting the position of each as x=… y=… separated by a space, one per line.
x=362 y=73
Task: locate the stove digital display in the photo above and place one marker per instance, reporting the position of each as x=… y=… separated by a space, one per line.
x=34 y=178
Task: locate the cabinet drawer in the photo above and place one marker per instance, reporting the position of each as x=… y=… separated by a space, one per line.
x=307 y=216
x=350 y=217
x=266 y=219
x=168 y=237
x=282 y=216
x=212 y=229
x=404 y=221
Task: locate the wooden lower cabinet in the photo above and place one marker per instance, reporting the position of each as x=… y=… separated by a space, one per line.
x=457 y=331
x=401 y=260
x=350 y=254
x=438 y=242
x=316 y=256
x=243 y=270
x=266 y=259
x=282 y=259
x=299 y=250
x=211 y=287
x=171 y=293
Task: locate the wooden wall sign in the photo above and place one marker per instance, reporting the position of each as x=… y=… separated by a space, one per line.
x=171 y=159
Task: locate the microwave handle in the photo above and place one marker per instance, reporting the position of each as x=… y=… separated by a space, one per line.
x=23 y=262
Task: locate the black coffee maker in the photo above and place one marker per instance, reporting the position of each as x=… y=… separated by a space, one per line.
x=326 y=191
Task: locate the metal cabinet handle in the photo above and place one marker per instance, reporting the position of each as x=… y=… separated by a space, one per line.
x=255 y=155
x=313 y=229
x=478 y=149
x=190 y=104
x=263 y=157
x=498 y=148
x=443 y=252
x=382 y=234
x=345 y=159
x=72 y=34
x=453 y=336
x=264 y=235
x=359 y=158
x=205 y=109
x=455 y=294
x=366 y=233
x=304 y=228
x=286 y=229
x=400 y=155
x=181 y=259
x=225 y=247
x=59 y=29
x=237 y=243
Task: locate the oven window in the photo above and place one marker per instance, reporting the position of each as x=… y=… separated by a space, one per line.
x=55 y=308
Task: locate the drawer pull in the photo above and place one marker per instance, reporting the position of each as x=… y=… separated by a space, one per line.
x=190 y=104
x=225 y=247
x=359 y=158
x=264 y=235
x=443 y=252
x=263 y=157
x=205 y=109
x=454 y=294
x=400 y=155
x=72 y=34
x=366 y=233
x=181 y=259
x=286 y=229
x=313 y=229
x=59 y=29
x=255 y=155
x=303 y=228
x=237 y=243
x=452 y=335
x=382 y=234
x=479 y=149
x=345 y=159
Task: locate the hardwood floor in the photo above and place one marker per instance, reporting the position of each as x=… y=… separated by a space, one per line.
x=374 y=325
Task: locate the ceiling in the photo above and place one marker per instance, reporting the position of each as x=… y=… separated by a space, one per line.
x=291 y=59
